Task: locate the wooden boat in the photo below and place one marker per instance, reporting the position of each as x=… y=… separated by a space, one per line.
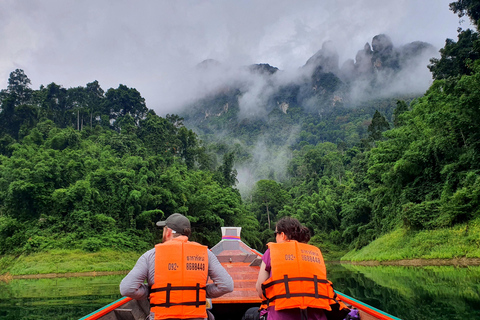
x=243 y=264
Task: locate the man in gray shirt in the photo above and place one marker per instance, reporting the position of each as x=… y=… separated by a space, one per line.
x=176 y=225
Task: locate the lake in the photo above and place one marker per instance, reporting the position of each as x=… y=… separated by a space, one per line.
x=410 y=293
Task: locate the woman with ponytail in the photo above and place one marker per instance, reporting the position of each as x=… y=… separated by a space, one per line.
x=292 y=281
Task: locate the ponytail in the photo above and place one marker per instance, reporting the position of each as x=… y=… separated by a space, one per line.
x=293 y=229
x=304 y=235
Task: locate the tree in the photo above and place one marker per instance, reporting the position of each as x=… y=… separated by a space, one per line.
x=226 y=173
x=471 y=8
x=268 y=198
x=456 y=56
x=158 y=135
x=188 y=146
x=53 y=100
x=94 y=99
x=18 y=93
x=85 y=103
x=399 y=110
x=379 y=124
x=19 y=86
x=122 y=101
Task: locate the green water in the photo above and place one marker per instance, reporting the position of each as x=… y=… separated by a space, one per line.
x=410 y=293
x=413 y=293
x=55 y=299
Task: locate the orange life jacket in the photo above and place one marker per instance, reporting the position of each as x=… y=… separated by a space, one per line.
x=298 y=278
x=181 y=271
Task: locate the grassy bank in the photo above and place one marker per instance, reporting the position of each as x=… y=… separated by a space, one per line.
x=449 y=243
x=67 y=261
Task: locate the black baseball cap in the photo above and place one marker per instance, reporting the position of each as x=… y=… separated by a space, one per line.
x=177 y=222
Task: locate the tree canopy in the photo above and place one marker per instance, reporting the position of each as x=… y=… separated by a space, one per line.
x=87 y=168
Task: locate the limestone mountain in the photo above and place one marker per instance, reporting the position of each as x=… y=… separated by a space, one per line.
x=260 y=99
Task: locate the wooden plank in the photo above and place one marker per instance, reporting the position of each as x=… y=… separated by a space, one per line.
x=124 y=314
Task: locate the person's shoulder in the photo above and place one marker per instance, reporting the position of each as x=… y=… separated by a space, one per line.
x=211 y=255
x=149 y=254
x=266 y=255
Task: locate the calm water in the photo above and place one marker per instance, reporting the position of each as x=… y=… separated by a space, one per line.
x=410 y=293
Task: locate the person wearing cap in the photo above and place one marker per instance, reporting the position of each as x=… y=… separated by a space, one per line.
x=176 y=272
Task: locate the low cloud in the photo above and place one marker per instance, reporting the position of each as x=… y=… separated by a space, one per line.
x=155 y=46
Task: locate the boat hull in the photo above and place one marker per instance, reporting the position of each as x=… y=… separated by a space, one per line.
x=243 y=265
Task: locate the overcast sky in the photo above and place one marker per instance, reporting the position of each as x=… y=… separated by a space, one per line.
x=153 y=45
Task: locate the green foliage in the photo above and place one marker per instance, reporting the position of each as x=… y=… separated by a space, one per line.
x=456 y=57
x=91 y=244
x=379 y=124
x=124 y=101
x=226 y=173
x=67 y=260
x=471 y=8
x=443 y=243
x=422 y=215
x=84 y=169
x=397 y=113
x=106 y=186
x=268 y=198
x=12 y=234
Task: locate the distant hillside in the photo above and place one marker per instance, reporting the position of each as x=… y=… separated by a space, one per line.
x=264 y=97
x=264 y=107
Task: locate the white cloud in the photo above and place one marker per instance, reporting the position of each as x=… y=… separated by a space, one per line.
x=154 y=45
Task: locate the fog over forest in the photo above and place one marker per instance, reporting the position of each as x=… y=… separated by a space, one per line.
x=379 y=70
x=158 y=48
x=155 y=47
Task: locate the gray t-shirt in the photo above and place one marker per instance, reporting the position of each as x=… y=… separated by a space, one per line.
x=133 y=285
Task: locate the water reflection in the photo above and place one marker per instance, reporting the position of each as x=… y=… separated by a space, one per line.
x=59 y=298
x=410 y=293
x=446 y=292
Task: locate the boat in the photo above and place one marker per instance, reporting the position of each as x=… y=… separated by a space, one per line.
x=243 y=265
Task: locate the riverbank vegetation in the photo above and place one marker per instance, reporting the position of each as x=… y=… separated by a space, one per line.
x=89 y=170
x=450 y=292
x=461 y=241
x=67 y=261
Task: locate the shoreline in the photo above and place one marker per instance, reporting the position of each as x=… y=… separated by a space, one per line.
x=8 y=277
x=458 y=262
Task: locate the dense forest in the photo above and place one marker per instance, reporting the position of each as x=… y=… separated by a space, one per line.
x=89 y=169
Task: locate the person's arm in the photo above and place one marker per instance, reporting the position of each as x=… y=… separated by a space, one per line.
x=133 y=285
x=262 y=276
x=222 y=281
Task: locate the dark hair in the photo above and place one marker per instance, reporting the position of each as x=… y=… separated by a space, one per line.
x=186 y=232
x=293 y=229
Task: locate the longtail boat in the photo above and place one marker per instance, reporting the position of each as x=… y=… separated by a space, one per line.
x=243 y=265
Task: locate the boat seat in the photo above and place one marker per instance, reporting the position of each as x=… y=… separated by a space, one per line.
x=129 y=314
x=124 y=314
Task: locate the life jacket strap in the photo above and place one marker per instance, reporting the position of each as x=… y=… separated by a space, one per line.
x=288 y=294
x=287 y=279
x=303 y=314
x=188 y=303
x=295 y=295
x=335 y=297
x=170 y=288
x=287 y=289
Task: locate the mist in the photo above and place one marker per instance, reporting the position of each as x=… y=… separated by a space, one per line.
x=177 y=52
x=156 y=46
x=380 y=69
